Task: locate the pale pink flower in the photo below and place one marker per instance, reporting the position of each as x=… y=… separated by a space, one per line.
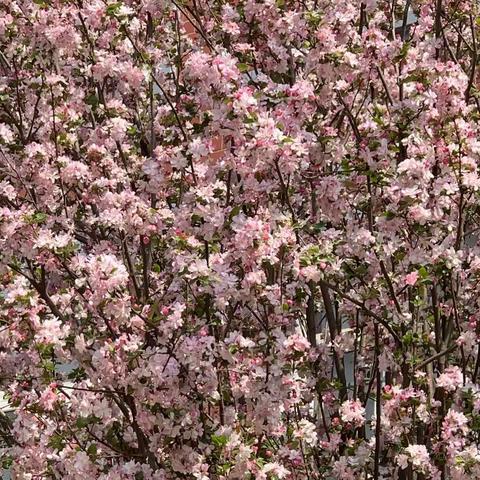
x=454 y=423
x=450 y=379
x=311 y=273
x=6 y=133
x=118 y=128
x=411 y=278
x=306 y=431
x=276 y=469
x=418 y=456
x=48 y=398
x=296 y=343
x=352 y=411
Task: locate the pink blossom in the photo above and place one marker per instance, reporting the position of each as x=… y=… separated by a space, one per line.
x=210 y=215
x=450 y=379
x=296 y=343
x=454 y=423
x=411 y=278
x=118 y=128
x=306 y=432
x=352 y=411
x=6 y=133
x=48 y=398
x=417 y=455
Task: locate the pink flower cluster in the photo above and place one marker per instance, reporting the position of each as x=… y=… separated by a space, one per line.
x=239 y=239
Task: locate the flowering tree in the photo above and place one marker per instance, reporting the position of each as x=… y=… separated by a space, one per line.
x=206 y=207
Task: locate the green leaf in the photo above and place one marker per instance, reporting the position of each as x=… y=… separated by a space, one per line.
x=132 y=130
x=422 y=271
x=36 y=218
x=196 y=220
x=57 y=442
x=42 y=3
x=45 y=350
x=92 y=100
x=7 y=462
x=219 y=440
x=313 y=18
x=48 y=365
x=113 y=9
x=234 y=212
x=92 y=450
x=82 y=422
x=77 y=374
x=408 y=338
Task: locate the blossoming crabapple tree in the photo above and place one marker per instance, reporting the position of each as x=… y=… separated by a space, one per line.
x=183 y=287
